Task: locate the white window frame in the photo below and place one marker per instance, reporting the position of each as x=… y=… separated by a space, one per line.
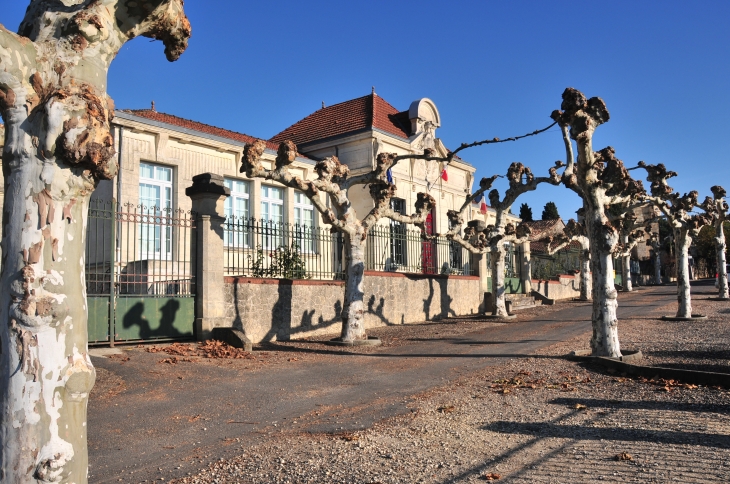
x=272 y=232
x=162 y=236
x=305 y=234
x=240 y=235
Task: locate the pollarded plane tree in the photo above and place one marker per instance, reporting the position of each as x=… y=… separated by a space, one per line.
x=656 y=245
x=58 y=145
x=631 y=233
x=575 y=232
x=685 y=225
x=601 y=180
x=716 y=208
x=334 y=180
x=492 y=240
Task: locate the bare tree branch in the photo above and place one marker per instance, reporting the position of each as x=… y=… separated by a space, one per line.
x=686 y=226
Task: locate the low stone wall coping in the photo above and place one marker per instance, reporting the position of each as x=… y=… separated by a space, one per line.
x=411 y=275
x=282 y=282
x=546 y=281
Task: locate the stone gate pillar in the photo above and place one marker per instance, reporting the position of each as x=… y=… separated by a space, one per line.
x=480 y=260
x=526 y=272
x=208 y=195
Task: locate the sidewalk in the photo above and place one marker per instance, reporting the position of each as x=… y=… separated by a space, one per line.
x=168 y=420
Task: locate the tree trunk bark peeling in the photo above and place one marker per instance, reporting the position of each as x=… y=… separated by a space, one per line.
x=353 y=310
x=720 y=247
x=657 y=266
x=626 y=267
x=498 y=290
x=683 y=241
x=58 y=144
x=603 y=237
x=585 y=275
x=605 y=340
x=45 y=362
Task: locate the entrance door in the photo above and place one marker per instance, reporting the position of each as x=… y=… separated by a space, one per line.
x=428 y=248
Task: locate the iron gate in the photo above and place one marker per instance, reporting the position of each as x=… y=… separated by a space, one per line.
x=140 y=273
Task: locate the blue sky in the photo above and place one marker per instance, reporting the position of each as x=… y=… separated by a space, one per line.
x=492 y=68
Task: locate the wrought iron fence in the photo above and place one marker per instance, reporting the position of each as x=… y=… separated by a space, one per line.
x=140 y=273
x=260 y=248
x=543 y=266
x=399 y=248
x=255 y=248
x=512 y=261
x=139 y=250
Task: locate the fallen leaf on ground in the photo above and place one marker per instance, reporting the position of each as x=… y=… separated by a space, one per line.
x=492 y=476
x=446 y=409
x=580 y=406
x=623 y=456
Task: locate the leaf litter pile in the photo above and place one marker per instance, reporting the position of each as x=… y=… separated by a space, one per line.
x=211 y=349
x=524 y=379
x=567 y=382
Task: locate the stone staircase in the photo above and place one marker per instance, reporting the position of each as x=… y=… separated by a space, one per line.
x=515 y=302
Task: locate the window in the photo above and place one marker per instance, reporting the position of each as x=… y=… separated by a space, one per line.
x=155 y=196
x=304 y=233
x=237 y=214
x=398 y=236
x=272 y=216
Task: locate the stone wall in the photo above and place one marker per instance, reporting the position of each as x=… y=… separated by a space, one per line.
x=566 y=287
x=274 y=309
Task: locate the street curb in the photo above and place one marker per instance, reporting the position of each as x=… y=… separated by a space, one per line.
x=688 y=376
x=370 y=341
x=492 y=317
x=627 y=356
x=695 y=317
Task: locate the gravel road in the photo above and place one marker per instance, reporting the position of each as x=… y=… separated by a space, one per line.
x=523 y=418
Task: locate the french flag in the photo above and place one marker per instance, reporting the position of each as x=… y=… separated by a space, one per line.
x=482 y=204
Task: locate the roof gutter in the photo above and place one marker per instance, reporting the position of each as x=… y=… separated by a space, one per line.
x=200 y=134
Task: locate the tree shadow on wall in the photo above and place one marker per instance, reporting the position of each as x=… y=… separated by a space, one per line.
x=379 y=310
x=282 y=328
x=166 y=329
x=445 y=299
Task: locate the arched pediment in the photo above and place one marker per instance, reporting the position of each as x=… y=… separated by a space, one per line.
x=422 y=111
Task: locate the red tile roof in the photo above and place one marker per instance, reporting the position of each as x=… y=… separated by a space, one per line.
x=545 y=227
x=196 y=126
x=365 y=112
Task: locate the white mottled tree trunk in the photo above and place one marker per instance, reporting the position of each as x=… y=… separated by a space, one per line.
x=45 y=362
x=626 y=267
x=657 y=266
x=605 y=323
x=585 y=275
x=720 y=247
x=58 y=144
x=353 y=310
x=497 y=265
x=683 y=241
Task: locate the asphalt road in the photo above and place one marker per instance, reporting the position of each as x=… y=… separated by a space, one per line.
x=173 y=420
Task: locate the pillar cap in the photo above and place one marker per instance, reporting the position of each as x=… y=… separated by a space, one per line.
x=479 y=225
x=208 y=183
